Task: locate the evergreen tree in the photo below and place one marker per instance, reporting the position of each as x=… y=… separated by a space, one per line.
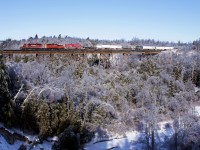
x=36 y=36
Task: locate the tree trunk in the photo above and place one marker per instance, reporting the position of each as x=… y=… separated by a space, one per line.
x=147 y=136
x=175 y=141
x=152 y=140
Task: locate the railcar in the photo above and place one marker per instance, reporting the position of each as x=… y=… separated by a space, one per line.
x=73 y=46
x=101 y=46
x=159 y=48
x=54 y=46
x=145 y=47
x=31 y=46
x=164 y=48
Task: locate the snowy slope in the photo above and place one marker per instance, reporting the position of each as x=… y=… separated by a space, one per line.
x=46 y=145
x=131 y=140
x=5 y=146
x=117 y=143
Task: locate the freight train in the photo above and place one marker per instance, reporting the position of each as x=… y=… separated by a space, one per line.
x=68 y=46
x=98 y=47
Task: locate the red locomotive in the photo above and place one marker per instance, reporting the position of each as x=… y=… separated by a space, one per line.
x=31 y=46
x=54 y=46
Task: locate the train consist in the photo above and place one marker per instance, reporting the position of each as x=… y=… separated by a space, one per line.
x=35 y=46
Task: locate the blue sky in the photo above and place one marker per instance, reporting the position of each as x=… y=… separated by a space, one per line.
x=169 y=20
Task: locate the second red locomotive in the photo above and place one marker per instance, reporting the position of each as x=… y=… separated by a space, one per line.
x=54 y=46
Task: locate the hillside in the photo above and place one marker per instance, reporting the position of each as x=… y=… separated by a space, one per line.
x=76 y=100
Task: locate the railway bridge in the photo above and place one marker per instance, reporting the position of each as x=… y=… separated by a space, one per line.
x=79 y=51
x=76 y=53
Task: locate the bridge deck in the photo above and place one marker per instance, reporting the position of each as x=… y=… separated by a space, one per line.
x=82 y=51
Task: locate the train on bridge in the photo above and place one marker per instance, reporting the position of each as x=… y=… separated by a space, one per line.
x=37 y=46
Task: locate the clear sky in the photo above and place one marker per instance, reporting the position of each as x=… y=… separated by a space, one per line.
x=169 y=20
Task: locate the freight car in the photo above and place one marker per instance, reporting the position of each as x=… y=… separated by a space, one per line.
x=73 y=46
x=164 y=48
x=101 y=46
x=159 y=48
x=145 y=47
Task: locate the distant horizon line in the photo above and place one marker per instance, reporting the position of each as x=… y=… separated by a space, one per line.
x=103 y=39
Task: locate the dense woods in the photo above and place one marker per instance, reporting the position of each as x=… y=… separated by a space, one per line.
x=74 y=98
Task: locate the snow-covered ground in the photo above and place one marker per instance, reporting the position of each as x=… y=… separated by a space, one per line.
x=5 y=146
x=131 y=140
x=46 y=145
x=116 y=142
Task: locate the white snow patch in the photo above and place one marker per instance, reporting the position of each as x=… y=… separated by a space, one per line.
x=55 y=138
x=196 y=89
x=117 y=142
x=197 y=110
